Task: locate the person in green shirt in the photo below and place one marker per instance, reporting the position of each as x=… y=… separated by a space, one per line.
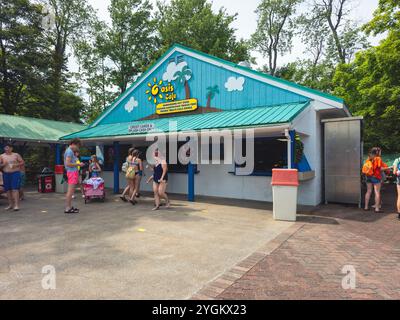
x=396 y=171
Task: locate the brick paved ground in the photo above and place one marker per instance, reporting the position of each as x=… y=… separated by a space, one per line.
x=307 y=263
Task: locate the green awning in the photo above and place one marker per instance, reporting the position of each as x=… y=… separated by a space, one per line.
x=37 y=130
x=245 y=118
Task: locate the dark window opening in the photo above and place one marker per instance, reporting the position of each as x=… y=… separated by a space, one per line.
x=269 y=153
x=178 y=167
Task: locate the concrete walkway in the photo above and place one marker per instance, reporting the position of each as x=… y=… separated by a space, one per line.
x=117 y=251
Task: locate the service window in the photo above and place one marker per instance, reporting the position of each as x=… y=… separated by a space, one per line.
x=109 y=156
x=269 y=153
x=178 y=167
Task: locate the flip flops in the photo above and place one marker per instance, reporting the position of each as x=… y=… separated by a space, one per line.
x=123 y=199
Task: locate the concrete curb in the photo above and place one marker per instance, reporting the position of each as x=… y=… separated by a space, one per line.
x=213 y=289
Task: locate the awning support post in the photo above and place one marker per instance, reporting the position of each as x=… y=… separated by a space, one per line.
x=191 y=173
x=291 y=148
x=58 y=154
x=292 y=134
x=116 y=167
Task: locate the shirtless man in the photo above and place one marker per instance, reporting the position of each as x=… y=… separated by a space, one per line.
x=11 y=163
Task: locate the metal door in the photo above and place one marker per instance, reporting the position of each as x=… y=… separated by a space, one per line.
x=343 y=160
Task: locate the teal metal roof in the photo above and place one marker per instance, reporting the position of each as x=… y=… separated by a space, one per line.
x=33 y=129
x=255 y=117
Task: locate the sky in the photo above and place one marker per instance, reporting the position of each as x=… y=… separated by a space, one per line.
x=246 y=22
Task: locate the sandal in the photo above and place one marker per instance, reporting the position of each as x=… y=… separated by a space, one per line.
x=123 y=199
x=156 y=209
x=379 y=211
x=70 y=211
x=133 y=202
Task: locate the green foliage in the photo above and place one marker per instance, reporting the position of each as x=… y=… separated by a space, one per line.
x=130 y=41
x=23 y=60
x=194 y=24
x=299 y=149
x=94 y=73
x=307 y=73
x=386 y=17
x=371 y=87
x=275 y=30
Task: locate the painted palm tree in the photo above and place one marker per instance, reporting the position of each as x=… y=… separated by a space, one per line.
x=183 y=77
x=211 y=93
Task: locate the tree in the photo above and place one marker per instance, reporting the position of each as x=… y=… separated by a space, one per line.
x=94 y=73
x=305 y=72
x=211 y=93
x=194 y=24
x=345 y=36
x=371 y=87
x=72 y=18
x=313 y=32
x=275 y=30
x=325 y=25
x=129 y=43
x=386 y=17
x=182 y=78
x=23 y=59
x=371 y=84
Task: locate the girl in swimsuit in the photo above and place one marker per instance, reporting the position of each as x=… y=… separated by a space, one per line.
x=128 y=182
x=137 y=164
x=160 y=180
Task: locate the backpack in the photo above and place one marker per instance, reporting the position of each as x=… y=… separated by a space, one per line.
x=368 y=168
x=130 y=173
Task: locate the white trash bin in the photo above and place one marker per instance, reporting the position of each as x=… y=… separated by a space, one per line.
x=60 y=187
x=285 y=184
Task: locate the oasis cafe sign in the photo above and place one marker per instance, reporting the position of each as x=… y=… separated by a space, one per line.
x=164 y=96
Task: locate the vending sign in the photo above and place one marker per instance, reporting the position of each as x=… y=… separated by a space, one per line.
x=177 y=106
x=141 y=128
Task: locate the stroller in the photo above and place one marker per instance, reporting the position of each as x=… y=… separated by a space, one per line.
x=94 y=189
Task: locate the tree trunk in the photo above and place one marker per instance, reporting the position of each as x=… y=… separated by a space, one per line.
x=187 y=90
x=209 y=101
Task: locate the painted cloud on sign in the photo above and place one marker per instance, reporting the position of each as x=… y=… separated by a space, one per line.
x=172 y=69
x=234 y=84
x=131 y=104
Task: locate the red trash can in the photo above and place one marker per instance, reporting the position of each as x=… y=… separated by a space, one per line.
x=46 y=181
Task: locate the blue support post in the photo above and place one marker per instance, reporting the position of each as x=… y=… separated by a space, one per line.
x=191 y=173
x=116 y=167
x=293 y=147
x=58 y=154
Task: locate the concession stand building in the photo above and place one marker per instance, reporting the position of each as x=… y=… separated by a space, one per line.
x=195 y=92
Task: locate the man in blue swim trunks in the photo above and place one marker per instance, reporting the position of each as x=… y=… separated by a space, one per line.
x=11 y=164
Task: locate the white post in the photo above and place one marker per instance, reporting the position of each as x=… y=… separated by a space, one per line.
x=289 y=148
